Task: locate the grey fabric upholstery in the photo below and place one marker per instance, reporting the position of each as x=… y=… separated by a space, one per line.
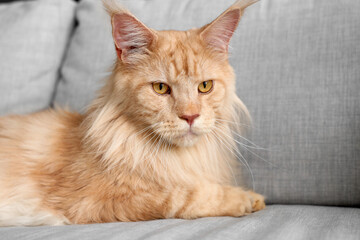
x=89 y=57
x=298 y=71
x=275 y=222
x=33 y=38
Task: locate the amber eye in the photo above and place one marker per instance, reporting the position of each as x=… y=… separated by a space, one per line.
x=206 y=86
x=161 y=88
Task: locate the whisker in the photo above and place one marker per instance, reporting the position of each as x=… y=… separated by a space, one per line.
x=142 y=131
x=165 y=156
x=146 y=151
x=246 y=147
x=154 y=142
x=244 y=160
x=235 y=123
x=146 y=148
x=211 y=144
x=247 y=140
x=218 y=138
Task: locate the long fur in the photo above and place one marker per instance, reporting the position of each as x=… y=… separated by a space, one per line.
x=126 y=158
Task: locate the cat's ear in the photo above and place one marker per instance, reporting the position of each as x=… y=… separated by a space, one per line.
x=131 y=37
x=218 y=33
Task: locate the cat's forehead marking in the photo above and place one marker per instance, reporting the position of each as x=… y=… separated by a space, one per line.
x=182 y=55
x=183 y=63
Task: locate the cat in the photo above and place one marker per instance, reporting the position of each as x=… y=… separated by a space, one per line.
x=156 y=142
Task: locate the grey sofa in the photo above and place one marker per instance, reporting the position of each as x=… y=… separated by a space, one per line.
x=298 y=71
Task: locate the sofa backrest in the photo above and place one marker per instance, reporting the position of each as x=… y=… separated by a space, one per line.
x=297 y=65
x=33 y=38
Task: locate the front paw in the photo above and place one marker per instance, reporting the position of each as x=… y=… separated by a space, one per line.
x=258 y=201
x=239 y=202
x=245 y=202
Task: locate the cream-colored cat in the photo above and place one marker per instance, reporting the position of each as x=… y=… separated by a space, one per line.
x=156 y=143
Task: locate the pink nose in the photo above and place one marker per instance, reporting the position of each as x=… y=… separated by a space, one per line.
x=189 y=118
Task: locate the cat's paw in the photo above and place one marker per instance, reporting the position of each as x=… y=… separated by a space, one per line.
x=245 y=202
x=257 y=201
x=239 y=202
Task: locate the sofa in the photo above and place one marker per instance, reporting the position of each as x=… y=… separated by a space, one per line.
x=298 y=71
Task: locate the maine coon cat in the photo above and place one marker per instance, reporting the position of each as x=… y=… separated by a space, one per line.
x=156 y=143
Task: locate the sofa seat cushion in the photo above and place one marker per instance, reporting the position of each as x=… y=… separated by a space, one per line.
x=275 y=222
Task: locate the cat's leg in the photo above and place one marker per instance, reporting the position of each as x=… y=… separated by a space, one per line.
x=23 y=213
x=205 y=200
x=20 y=205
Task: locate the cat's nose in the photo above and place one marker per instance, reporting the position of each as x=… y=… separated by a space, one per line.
x=189 y=118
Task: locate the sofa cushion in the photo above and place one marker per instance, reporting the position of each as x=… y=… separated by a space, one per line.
x=33 y=38
x=297 y=65
x=275 y=222
x=298 y=72
x=89 y=57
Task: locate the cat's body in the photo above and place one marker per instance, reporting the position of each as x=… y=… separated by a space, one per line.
x=47 y=173
x=135 y=154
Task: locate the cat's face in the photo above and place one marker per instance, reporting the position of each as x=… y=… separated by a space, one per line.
x=179 y=84
x=181 y=88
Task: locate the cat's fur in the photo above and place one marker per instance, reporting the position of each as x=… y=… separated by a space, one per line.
x=131 y=157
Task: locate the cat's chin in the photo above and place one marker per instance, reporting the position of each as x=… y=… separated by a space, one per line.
x=186 y=140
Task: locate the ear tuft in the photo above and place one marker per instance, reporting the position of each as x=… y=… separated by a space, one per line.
x=131 y=37
x=218 y=33
x=242 y=4
x=114 y=7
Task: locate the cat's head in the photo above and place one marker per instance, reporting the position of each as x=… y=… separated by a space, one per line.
x=178 y=83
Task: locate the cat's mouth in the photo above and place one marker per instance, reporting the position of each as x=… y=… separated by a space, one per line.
x=186 y=139
x=188 y=134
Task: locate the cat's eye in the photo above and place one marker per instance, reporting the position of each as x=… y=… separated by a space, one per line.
x=206 y=86
x=161 y=88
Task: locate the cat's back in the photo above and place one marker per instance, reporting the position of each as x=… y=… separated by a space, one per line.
x=31 y=137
